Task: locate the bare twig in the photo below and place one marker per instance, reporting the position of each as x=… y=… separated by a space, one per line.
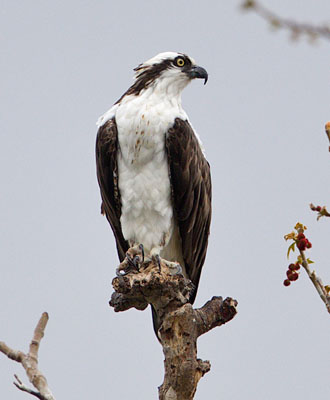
x=19 y=384
x=317 y=282
x=296 y=28
x=29 y=362
x=180 y=324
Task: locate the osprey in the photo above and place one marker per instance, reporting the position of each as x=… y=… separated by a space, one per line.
x=154 y=179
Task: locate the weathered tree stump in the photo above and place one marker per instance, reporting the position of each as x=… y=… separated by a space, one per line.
x=168 y=291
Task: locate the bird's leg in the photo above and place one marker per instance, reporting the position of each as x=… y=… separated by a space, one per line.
x=133 y=260
x=135 y=256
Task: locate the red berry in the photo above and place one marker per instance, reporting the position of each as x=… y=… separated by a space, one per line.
x=302 y=244
x=318 y=208
x=289 y=273
x=292 y=267
x=300 y=236
x=297 y=266
x=308 y=244
x=286 y=282
x=294 y=276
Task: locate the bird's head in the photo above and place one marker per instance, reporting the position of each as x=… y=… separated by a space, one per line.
x=169 y=72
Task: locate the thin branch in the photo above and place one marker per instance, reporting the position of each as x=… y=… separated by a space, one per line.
x=317 y=282
x=19 y=384
x=296 y=28
x=29 y=362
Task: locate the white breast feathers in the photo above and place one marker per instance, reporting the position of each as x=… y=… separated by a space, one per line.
x=144 y=185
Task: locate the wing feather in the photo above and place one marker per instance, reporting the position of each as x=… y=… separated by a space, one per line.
x=107 y=175
x=191 y=192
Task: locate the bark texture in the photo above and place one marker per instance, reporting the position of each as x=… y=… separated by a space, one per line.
x=168 y=291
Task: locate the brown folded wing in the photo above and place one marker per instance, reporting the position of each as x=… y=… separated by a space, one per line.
x=107 y=175
x=191 y=192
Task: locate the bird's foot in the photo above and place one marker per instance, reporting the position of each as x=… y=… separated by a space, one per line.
x=132 y=262
x=174 y=267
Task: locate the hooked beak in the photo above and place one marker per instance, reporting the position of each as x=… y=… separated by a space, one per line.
x=198 y=72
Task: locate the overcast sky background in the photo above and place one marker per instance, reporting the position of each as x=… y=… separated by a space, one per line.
x=261 y=118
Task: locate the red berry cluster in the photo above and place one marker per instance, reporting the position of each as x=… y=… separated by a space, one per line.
x=317 y=208
x=302 y=242
x=292 y=273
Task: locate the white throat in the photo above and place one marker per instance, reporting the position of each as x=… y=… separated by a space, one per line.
x=169 y=86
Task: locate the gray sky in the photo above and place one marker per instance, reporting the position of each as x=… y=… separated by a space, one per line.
x=261 y=118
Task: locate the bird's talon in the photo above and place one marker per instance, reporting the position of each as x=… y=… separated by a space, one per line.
x=178 y=270
x=141 y=247
x=157 y=260
x=120 y=272
x=136 y=261
x=130 y=260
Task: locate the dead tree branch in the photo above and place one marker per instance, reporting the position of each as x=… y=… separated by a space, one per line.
x=296 y=28
x=167 y=290
x=29 y=362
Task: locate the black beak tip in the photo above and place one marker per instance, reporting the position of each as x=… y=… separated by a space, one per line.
x=199 y=73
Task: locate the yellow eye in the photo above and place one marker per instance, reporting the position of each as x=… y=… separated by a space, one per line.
x=180 y=62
